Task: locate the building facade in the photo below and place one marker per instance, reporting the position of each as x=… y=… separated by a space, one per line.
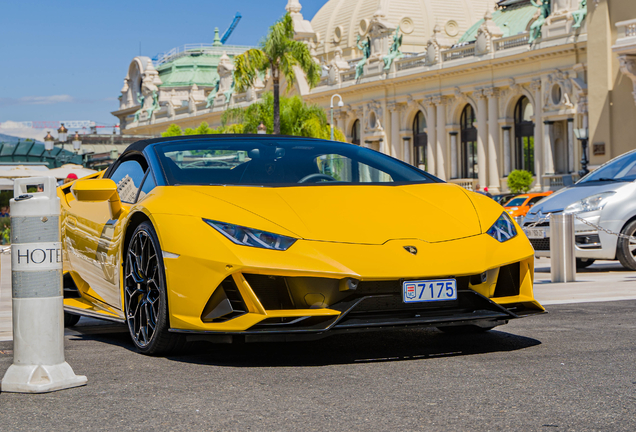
x=467 y=89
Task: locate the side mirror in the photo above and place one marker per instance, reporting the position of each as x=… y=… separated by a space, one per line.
x=98 y=190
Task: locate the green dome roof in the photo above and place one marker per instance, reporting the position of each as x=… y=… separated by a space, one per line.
x=195 y=68
x=512 y=20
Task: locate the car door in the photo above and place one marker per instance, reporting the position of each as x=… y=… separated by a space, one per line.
x=94 y=239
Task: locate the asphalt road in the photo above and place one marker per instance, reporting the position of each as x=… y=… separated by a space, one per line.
x=571 y=370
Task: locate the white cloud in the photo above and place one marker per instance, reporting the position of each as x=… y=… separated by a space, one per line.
x=21 y=131
x=37 y=100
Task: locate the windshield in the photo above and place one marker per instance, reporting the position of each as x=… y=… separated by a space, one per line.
x=623 y=168
x=280 y=162
x=516 y=202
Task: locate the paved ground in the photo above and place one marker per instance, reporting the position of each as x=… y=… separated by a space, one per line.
x=570 y=370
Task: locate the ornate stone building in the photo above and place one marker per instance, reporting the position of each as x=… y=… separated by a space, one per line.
x=467 y=89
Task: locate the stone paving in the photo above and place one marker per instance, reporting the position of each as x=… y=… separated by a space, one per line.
x=603 y=281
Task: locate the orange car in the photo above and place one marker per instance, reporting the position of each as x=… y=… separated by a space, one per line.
x=520 y=205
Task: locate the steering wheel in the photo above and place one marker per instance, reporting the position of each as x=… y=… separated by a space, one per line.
x=315 y=177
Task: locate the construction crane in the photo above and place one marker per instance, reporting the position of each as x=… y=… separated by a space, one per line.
x=232 y=27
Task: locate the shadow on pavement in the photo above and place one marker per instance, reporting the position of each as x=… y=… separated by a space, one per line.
x=382 y=346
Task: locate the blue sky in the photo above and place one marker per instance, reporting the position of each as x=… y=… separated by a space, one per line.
x=66 y=60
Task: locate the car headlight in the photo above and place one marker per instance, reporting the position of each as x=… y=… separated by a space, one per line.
x=252 y=237
x=591 y=203
x=503 y=230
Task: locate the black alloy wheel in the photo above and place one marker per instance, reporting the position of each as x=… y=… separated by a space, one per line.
x=145 y=297
x=626 y=248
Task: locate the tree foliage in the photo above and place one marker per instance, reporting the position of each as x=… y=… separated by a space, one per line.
x=278 y=53
x=173 y=130
x=520 y=181
x=296 y=118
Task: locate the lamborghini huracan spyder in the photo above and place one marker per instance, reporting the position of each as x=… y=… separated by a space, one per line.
x=256 y=238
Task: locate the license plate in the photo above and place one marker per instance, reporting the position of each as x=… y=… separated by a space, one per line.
x=536 y=233
x=430 y=290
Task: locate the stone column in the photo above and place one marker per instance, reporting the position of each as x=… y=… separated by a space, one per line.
x=570 y=145
x=395 y=130
x=454 y=158
x=538 y=133
x=432 y=136
x=507 y=150
x=548 y=155
x=494 y=173
x=441 y=147
x=406 y=144
x=482 y=137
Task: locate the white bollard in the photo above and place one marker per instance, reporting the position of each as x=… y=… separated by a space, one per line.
x=562 y=248
x=38 y=314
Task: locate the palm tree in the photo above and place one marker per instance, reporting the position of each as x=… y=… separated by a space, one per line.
x=298 y=118
x=279 y=53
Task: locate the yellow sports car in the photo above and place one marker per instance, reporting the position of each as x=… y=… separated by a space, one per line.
x=252 y=238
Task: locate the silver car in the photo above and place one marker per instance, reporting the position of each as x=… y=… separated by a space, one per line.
x=605 y=198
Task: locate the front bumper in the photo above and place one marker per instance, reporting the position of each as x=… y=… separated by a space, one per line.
x=589 y=242
x=299 y=290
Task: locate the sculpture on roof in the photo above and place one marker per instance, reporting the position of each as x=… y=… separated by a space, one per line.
x=209 y=101
x=544 y=9
x=365 y=47
x=394 y=51
x=580 y=14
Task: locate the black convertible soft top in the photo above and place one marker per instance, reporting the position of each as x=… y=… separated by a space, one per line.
x=139 y=146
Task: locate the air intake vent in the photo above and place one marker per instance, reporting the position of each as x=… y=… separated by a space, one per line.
x=226 y=303
x=271 y=291
x=508 y=281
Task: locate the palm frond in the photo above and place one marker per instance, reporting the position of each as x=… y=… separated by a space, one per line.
x=247 y=67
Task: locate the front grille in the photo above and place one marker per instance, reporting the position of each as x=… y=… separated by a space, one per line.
x=540 y=244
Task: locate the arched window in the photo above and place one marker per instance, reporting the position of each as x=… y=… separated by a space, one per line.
x=469 y=167
x=355 y=133
x=420 y=141
x=524 y=136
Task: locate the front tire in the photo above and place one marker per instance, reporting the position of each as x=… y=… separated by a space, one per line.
x=582 y=263
x=145 y=295
x=70 y=320
x=626 y=249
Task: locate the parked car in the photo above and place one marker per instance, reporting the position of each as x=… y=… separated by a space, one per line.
x=521 y=204
x=250 y=237
x=504 y=198
x=606 y=198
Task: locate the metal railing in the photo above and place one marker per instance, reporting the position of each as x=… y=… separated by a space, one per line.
x=459 y=53
x=188 y=49
x=512 y=42
x=412 y=62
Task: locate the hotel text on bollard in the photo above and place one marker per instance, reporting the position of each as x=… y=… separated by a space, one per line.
x=38 y=315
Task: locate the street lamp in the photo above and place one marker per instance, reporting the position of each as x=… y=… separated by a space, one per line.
x=62 y=133
x=77 y=142
x=340 y=105
x=49 y=142
x=582 y=134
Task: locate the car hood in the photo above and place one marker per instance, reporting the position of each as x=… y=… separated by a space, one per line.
x=356 y=214
x=560 y=200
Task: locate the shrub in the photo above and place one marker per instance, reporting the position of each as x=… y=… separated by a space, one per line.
x=519 y=181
